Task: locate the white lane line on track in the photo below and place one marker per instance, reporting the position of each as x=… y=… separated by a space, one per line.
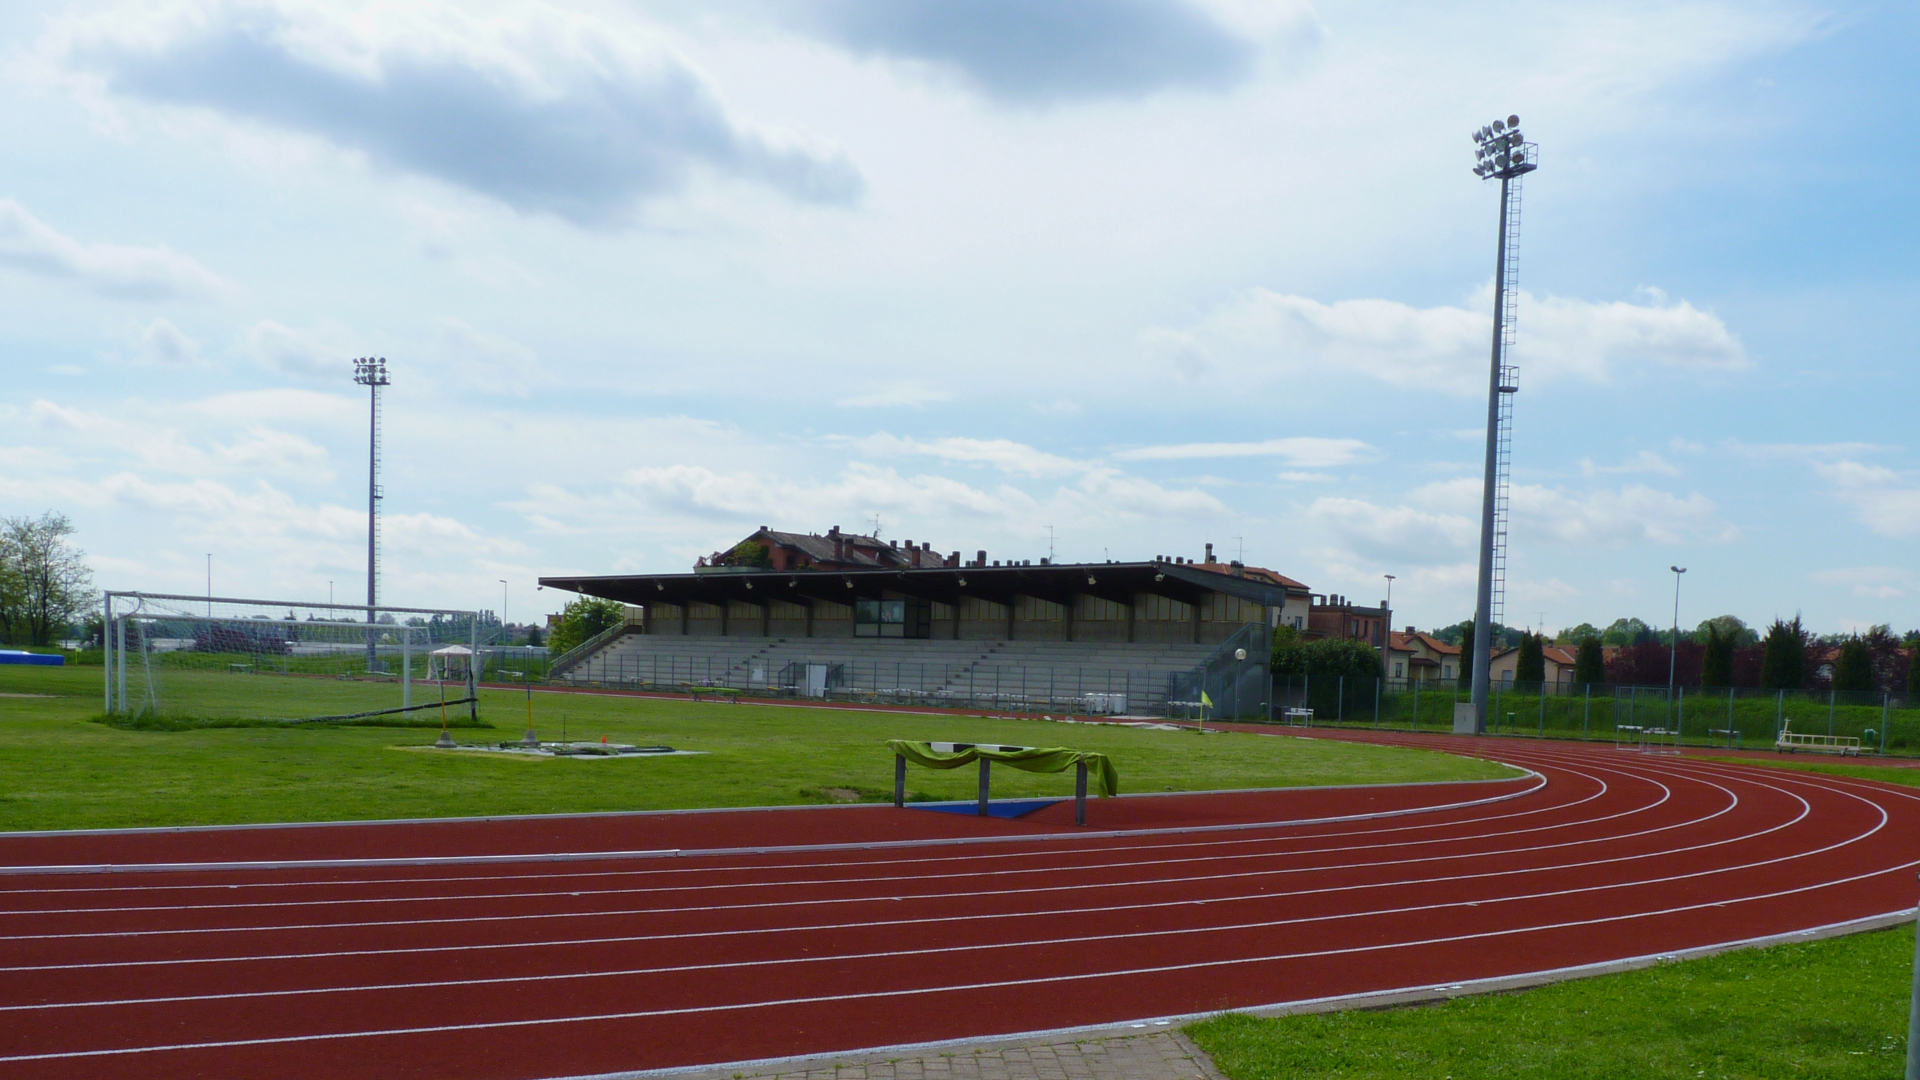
x=1601 y=786
x=971 y=857
x=742 y=868
x=1074 y=868
x=881 y=898
x=1181 y=903
x=938 y=950
x=959 y=841
x=916 y=992
x=653 y=872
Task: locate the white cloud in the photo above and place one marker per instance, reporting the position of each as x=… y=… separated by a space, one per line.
x=548 y=110
x=115 y=270
x=486 y=362
x=1885 y=501
x=1635 y=513
x=324 y=351
x=1646 y=461
x=1303 y=451
x=1402 y=534
x=897 y=396
x=163 y=345
x=1262 y=332
x=1876 y=582
x=1003 y=454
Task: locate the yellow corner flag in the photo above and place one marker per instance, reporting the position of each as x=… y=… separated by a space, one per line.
x=1205 y=700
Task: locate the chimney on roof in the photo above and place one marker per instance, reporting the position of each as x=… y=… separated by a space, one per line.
x=763 y=528
x=1209 y=554
x=980 y=557
x=1411 y=630
x=1239 y=569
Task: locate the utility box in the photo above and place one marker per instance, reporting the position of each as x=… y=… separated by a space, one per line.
x=1463 y=718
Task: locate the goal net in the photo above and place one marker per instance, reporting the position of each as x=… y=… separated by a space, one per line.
x=211 y=659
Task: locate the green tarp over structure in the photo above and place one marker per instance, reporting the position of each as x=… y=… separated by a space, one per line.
x=1029 y=758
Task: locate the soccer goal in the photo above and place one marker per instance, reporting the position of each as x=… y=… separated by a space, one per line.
x=222 y=658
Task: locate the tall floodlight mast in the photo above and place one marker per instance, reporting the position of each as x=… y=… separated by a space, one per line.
x=372 y=374
x=1503 y=154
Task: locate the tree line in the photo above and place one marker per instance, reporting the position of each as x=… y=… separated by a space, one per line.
x=1721 y=652
x=45 y=585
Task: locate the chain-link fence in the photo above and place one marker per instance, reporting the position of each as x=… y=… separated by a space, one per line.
x=1881 y=722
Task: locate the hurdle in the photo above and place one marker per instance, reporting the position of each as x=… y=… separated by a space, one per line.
x=952 y=755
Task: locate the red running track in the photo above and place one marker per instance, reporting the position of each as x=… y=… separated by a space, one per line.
x=760 y=938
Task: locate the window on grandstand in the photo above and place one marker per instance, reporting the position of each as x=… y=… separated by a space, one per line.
x=893 y=618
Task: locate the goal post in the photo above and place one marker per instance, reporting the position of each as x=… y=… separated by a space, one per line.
x=219 y=659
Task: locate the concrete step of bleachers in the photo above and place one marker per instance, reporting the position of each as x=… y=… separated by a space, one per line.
x=996 y=673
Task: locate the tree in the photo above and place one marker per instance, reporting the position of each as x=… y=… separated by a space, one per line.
x=1531 y=665
x=534 y=637
x=1717 y=665
x=1784 y=664
x=1731 y=627
x=1913 y=670
x=1853 y=669
x=1574 y=635
x=1589 y=663
x=1294 y=655
x=1628 y=632
x=581 y=620
x=45 y=584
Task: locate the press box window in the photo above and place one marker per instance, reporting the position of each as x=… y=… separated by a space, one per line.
x=893 y=618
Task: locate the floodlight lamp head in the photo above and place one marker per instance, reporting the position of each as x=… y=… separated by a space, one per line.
x=1498 y=127
x=1513 y=121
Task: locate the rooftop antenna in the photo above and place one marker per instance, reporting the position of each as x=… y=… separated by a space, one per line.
x=1049 y=543
x=1240 y=544
x=1502 y=154
x=876 y=526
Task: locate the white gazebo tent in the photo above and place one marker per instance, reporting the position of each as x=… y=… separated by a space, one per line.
x=454 y=661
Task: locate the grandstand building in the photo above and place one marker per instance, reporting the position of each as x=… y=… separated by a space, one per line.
x=843 y=615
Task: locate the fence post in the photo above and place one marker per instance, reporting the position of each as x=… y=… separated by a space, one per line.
x=1886 y=717
x=1730 y=717
x=1376 y=702
x=1586 y=711
x=1779 y=711
x=1340 y=699
x=1679 y=714
x=1543 y=710
x=1831 y=696
x=1416 y=703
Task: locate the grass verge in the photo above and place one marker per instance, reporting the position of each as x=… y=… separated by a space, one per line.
x=1835 y=1009
x=59 y=771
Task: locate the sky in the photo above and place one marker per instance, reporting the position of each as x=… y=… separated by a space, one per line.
x=1095 y=278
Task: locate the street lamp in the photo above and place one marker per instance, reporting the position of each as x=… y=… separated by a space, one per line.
x=1673 y=654
x=1503 y=154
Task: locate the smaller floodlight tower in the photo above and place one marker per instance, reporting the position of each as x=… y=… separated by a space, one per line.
x=1503 y=154
x=372 y=374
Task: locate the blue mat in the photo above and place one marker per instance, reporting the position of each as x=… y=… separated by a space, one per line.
x=1008 y=808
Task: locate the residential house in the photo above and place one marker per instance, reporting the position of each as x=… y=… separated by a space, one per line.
x=1417 y=657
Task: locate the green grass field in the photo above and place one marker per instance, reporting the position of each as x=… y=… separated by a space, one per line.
x=1833 y=1009
x=58 y=769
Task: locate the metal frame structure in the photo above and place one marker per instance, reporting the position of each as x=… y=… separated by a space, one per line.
x=114 y=634
x=1505 y=155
